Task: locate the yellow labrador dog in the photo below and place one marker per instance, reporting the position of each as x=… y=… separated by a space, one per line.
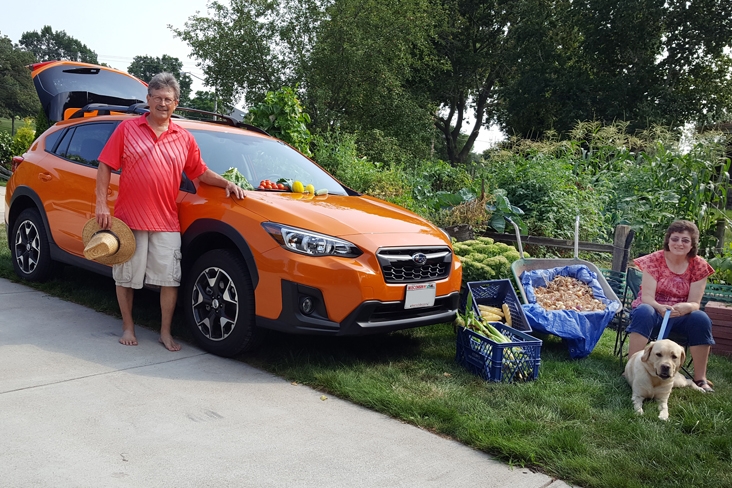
x=653 y=372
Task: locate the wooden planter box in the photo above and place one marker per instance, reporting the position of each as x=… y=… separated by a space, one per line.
x=721 y=315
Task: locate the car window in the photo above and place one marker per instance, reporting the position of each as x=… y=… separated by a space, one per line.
x=258 y=159
x=85 y=142
x=52 y=139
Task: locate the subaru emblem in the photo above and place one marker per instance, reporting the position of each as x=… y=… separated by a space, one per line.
x=419 y=258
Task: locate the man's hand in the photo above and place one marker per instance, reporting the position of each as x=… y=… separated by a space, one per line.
x=233 y=189
x=214 y=179
x=104 y=219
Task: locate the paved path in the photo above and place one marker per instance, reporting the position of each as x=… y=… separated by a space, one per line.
x=80 y=410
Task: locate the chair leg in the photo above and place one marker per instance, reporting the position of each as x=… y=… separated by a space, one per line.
x=620 y=339
x=688 y=368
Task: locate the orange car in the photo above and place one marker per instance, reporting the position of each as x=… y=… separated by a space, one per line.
x=337 y=264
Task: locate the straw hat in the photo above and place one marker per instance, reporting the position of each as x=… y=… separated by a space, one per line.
x=115 y=245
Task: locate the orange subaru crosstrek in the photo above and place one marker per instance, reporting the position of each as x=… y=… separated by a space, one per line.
x=340 y=264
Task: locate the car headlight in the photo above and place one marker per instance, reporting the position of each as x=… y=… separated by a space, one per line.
x=310 y=243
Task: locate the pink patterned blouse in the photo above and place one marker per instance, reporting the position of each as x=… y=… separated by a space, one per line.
x=671 y=288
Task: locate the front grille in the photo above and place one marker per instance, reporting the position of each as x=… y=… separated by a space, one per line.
x=403 y=264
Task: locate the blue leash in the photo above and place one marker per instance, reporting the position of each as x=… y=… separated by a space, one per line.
x=662 y=333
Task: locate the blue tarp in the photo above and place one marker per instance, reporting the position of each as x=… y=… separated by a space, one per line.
x=580 y=330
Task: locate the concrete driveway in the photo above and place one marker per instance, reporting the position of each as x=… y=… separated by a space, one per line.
x=77 y=409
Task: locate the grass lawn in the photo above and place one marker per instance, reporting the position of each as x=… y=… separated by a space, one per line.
x=575 y=422
x=5 y=125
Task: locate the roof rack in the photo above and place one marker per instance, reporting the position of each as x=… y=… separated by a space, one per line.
x=222 y=119
x=107 y=109
x=142 y=108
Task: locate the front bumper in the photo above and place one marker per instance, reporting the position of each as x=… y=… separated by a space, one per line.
x=370 y=317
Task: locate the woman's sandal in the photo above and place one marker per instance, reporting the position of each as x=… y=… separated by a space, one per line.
x=705 y=385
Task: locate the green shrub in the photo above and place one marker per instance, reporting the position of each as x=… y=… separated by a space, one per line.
x=6 y=149
x=24 y=137
x=336 y=152
x=550 y=194
x=281 y=114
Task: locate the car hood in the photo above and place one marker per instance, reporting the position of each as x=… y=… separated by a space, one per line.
x=63 y=87
x=337 y=215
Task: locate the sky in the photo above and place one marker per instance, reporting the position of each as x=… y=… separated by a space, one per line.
x=116 y=31
x=119 y=31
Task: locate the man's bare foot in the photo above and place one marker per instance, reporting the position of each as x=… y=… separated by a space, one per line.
x=128 y=338
x=169 y=343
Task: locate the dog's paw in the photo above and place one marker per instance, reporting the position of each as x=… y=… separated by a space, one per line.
x=663 y=415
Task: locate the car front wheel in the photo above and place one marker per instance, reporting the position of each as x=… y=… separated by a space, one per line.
x=30 y=247
x=219 y=304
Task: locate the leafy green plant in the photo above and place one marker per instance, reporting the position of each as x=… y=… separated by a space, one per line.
x=662 y=184
x=233 y=175
x=282 y=115
x=502 y=208
x=539 y=179
x=484 y=259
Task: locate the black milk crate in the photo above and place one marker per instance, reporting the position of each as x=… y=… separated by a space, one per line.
x=508 y=362
x=495 y=293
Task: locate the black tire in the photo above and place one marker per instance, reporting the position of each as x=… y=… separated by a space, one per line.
x=219 y=304
x=30 y=248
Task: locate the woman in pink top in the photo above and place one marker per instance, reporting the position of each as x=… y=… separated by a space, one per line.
x=674 y=279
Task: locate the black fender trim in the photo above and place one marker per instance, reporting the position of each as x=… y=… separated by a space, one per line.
x=195 y=238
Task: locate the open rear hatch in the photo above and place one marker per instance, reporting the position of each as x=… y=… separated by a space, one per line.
x=63 y=87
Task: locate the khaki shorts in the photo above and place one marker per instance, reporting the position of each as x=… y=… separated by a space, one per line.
x=156 y=261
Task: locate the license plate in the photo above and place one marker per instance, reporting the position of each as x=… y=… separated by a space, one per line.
x=420 y=295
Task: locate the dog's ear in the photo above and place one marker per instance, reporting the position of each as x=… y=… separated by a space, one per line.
x=647 y=352
x=682 y=356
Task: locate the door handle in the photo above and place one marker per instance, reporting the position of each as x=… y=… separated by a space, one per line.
x=44 y=177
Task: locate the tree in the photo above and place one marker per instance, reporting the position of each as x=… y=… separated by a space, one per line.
x=204 y=100
x=253 y=46
x=17 y=94
x=641 y=61
x=359 y=71
x=472 y=46
x=145 y=67
x=48 y=45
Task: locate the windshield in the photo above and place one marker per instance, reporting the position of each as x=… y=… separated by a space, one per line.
x=260 y=159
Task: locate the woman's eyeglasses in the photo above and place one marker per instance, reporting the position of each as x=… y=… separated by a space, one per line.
x=684 y=240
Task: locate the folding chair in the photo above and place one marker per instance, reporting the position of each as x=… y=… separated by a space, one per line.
x=633 y=279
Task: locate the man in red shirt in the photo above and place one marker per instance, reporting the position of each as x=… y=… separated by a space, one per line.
x=152 y=152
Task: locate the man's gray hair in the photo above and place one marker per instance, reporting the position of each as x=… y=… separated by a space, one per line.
x=162 y=81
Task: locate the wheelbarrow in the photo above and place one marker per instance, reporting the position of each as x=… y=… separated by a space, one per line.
x=530 y=264
x=580 y=330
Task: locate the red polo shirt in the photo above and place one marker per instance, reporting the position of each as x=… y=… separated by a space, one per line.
x=151 y=172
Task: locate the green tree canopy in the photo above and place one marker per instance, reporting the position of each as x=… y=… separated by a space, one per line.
x=203 y=100
x=642 y=61
x=359 y=71
x=252 y=46
x=48 y=45
x=389 y=70
x=145 y=67
x=17 y=94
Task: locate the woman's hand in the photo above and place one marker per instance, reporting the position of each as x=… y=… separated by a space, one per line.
x=680 y=309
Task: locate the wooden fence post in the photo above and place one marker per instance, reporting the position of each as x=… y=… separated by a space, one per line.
x=621 y=247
